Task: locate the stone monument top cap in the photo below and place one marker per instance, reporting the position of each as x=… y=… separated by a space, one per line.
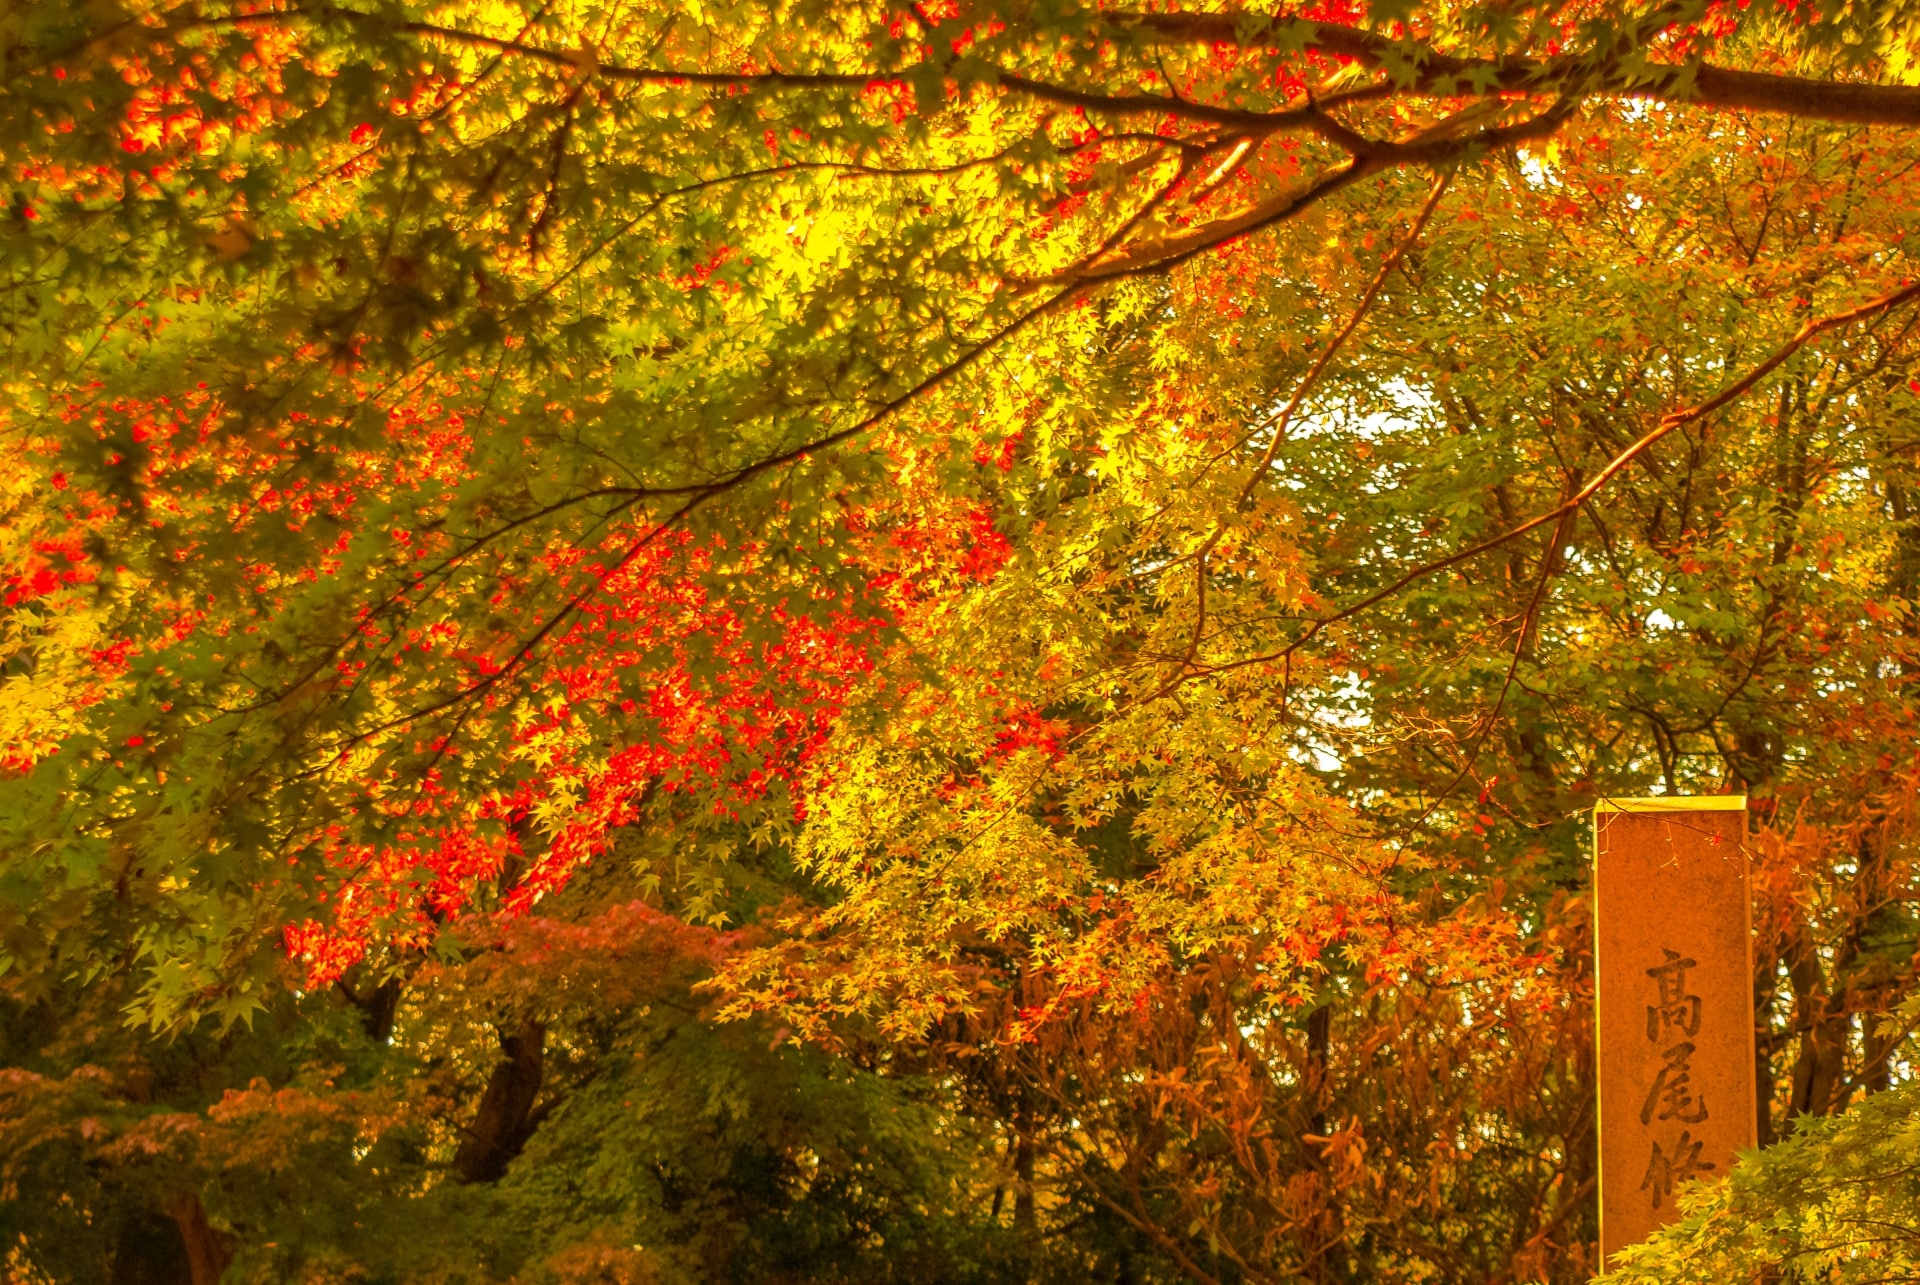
x=1675 y=803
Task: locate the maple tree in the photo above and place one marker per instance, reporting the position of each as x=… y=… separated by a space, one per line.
x=929 y=642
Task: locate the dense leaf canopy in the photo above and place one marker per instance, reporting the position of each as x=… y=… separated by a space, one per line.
x=935 y=641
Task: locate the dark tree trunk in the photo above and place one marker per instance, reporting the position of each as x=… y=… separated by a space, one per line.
x=1319 y=1041
x=173 y=1246
x=149 y=1252
x=1766 y=984
x=1323 y=1233
x=1820 y=1068
x=377 y=1005
x=506 y=1117
x=208 y=1251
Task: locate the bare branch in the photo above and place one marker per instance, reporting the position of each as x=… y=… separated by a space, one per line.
x=1360 y=311
x=1170 y=252
x=1694 y=83
x=1667 y=424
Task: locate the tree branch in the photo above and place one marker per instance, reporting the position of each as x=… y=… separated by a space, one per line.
x=1667 y=424
x=1695 y=83
x=1169 y=252
x=698 y=494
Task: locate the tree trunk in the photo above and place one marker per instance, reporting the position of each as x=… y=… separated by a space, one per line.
x=174 y=1245
x=1319 y=1037
x=208 y=1251
x=377 y=1006
x=149 y=1252
x=1820 y=1068
x=505 y=1119
x=1765 y=983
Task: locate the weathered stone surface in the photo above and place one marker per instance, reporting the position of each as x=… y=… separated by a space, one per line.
x=1675 y=998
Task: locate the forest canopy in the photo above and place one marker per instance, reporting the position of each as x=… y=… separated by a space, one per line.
x=671 y=641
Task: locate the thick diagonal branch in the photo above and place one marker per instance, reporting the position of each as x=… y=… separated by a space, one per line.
x=1420 y=70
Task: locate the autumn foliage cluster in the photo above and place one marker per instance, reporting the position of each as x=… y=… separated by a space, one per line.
x=938 y=641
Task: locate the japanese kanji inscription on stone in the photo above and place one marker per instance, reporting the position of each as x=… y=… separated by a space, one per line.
x=1674 y=989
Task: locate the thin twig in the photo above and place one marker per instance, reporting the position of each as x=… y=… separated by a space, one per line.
x=1667 y=424
x=1300 y=392
x=1527 y=622
x=698 y=495
x=1387 y=265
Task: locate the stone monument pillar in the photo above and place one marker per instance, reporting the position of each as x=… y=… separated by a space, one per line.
x=1673 y=986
